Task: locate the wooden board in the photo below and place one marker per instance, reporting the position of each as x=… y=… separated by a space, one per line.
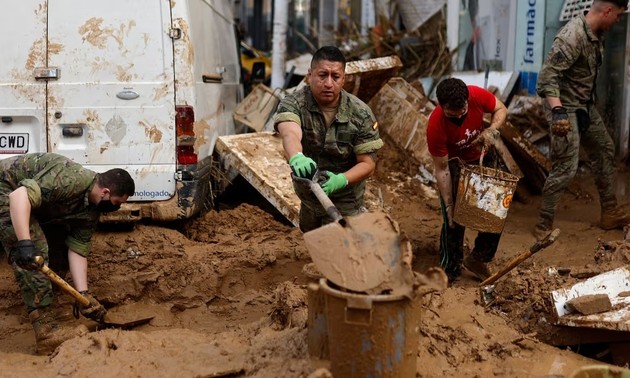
x=259 y=158
x=364 y=78
x=399 y=109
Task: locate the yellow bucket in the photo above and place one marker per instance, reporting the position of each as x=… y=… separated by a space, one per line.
x=483 y=198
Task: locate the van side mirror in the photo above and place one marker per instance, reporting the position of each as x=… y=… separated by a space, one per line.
x=258 y=72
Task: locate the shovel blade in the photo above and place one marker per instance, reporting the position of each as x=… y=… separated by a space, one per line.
x=364 y=255
x=117 y=322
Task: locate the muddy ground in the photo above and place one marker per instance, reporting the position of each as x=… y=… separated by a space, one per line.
x=229 y=297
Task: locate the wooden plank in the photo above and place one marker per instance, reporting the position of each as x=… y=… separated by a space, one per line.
x=364 y=78
x=259 y=158
x=505 y=154
x=399 y=114
x=534 y=165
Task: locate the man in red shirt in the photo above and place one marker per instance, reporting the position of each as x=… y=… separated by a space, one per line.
x=456 y=130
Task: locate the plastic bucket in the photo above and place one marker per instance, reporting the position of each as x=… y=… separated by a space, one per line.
x=483 y=198
x=316 y=325
x=371 y=335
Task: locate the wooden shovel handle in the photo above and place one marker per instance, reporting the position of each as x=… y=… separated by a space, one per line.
x=538 y=246
x=60 y=281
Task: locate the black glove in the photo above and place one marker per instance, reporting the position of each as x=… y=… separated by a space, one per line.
x=24 y=254
x=94 y=310
x=560 y=124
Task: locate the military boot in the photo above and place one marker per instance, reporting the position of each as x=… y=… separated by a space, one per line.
x=476 y=267
x=48 y=333
x=613 y=217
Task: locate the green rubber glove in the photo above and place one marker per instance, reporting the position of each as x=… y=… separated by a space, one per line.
x=302 y=165
x=335 y=182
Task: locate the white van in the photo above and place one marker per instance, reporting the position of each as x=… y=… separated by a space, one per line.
x=144 y=85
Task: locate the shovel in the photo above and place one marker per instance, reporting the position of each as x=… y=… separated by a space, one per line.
x=487 y=289
x=362 y=253
x=106 y=321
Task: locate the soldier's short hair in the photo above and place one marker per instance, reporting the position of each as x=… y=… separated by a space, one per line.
x=118 y=181
x=452 y=93
x=329 y=53
x=619 y=3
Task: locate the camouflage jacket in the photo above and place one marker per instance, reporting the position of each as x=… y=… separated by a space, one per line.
x=58 y=191
x=571 y=68
x=354 y=131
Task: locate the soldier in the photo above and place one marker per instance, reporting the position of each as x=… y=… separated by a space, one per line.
x=43 y=192
x=567 y=83
x=455 y=133
x=325 y=128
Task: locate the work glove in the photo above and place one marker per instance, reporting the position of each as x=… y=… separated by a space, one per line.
x=560 y=125
x=24 y=254
x=302 y=165
x=487 y=138
x=94 y=311
x=335 y=182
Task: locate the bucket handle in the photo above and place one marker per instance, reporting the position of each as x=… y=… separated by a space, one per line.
x=358 y=311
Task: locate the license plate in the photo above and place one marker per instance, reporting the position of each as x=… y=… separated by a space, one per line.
x=13 y=143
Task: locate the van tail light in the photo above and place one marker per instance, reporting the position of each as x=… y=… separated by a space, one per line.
x=184 y=126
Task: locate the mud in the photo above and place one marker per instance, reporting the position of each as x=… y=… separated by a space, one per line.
x=228 y=294
x=366 y=255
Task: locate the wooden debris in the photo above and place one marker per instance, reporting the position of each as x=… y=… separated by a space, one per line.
x=400 y=111
x=366 y=77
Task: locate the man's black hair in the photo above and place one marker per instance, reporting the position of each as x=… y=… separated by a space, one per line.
x=619 y=3
x=118 y=181
x=329 y=53
x=452 y=93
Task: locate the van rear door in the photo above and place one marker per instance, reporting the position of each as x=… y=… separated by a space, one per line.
x=113 y=104
x=22 y=97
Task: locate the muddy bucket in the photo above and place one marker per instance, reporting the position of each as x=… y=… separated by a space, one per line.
x=371 y=335
x=483 y=198
x=317 y=333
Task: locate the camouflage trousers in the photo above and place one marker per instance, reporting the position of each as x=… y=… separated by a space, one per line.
x=312 y=217
x=564 y=157
x=35 y=287
x=452 y=239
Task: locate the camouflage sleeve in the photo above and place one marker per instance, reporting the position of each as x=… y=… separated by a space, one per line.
x=369 y=139
x=34 y=192
x=288 y=111
x=561 y=57
x=80 y=241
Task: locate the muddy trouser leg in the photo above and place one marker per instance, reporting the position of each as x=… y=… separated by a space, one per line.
x=601 y=152
x=57 y=250
x=309 y=220
x=35 y=287
x=452 y=248
x=452 y=239
x=486 y=245
x=564 y=158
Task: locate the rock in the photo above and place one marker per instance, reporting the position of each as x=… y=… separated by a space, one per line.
x=590 y=304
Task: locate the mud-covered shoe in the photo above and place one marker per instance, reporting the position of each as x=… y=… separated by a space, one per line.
x=453 y=275
x=48 y=333
x=540 y=232
x=614 y=218
x=476 y=267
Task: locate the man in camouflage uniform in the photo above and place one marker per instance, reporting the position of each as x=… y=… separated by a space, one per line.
x=326 y=129
x=44 y=192
x=567 y=82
